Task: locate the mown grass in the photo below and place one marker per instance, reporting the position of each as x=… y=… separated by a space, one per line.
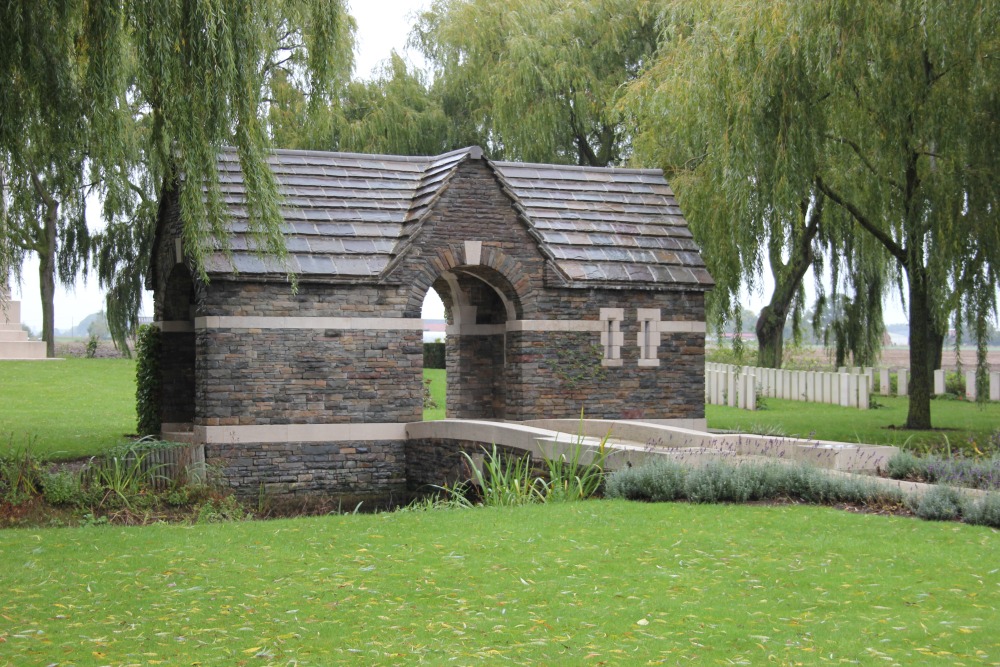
x=607 y=582
x=66 y=409
x=958 y=424
x=438 y=385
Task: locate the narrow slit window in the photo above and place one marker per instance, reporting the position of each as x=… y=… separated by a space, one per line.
x=648 y=338
x=611 y=336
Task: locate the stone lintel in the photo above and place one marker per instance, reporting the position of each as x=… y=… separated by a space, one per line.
x=342 y=323
x=299 y=433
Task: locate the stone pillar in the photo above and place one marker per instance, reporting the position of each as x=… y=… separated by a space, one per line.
x=939 y=382
x=902 y=383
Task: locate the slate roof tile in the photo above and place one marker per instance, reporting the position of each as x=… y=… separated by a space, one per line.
x=348 y=215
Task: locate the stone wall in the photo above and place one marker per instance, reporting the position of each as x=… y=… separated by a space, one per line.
x=375 y=469
x=303 y=376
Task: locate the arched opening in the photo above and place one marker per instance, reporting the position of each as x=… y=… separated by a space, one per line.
x=477 y=304
x=177 y=351
x=435 y=322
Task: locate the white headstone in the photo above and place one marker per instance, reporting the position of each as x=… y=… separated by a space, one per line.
x=845 y=389
x=902 y=383
x=939 y=382
x=970 y=385
x=995 y=386
x=883 y=381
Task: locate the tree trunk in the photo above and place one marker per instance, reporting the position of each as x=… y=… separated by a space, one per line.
x=935 y=347
x=787 y=279
x=771 y=334
x=919 y=415
x=47 y=277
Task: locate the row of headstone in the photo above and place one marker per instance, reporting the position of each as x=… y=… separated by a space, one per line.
x=726 y=384
x=848 y=388
x=729 y=385
x=970 y=384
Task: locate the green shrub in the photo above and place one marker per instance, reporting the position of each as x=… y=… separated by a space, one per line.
x=148 y=381
x=954 y=384
x=63 y=488
x=20 y=473
x=506 y=480
x=434 y=355
x=92 y=344
x=971 y=472
x=984 y=511
x=939 y=503
x=571 y=479
x=123 y=479
x=903 y=465
x=222 y=510
x=723 y=482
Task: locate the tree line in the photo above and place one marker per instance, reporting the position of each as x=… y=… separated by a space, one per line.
x=856 y=139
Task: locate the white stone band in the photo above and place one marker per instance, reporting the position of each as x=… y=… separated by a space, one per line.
x=541 y=326
x=299 y=433
x=341 y=323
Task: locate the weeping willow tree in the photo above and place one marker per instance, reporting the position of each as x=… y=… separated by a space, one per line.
x=538 y=79
x=79 y=75
x=714 y=115
x=396 y=112
x=889 y=110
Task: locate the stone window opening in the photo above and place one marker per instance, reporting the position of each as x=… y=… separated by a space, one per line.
x=612 y=338
x=648 y=338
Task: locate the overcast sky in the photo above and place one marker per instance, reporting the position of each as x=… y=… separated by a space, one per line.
x=383 y=25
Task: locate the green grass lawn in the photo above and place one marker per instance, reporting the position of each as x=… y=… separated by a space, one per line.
x=959 y=422
x=598 y=582
x=66 y=409
x=438 y=384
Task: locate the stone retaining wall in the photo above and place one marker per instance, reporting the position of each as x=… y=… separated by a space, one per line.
x=375 y=468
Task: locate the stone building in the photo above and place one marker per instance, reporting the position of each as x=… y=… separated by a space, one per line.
x=566 y=289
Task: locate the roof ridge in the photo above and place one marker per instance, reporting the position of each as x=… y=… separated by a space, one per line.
x=577 y=167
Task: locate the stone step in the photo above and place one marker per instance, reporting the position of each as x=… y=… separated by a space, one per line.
x=22 y=350
x=13 y=335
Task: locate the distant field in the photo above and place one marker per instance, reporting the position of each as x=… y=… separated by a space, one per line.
x=69 y=408
x=588 y=583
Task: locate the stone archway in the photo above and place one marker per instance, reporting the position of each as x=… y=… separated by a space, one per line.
x=479 y=301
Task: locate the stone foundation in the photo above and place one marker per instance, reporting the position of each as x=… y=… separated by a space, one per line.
x=357 y=469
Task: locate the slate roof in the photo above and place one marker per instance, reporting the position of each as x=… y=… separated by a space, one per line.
x=349 y=215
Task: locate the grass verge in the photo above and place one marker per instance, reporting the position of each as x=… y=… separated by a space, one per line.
x=602 y=581
x=958 y=424
x=66 y=409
